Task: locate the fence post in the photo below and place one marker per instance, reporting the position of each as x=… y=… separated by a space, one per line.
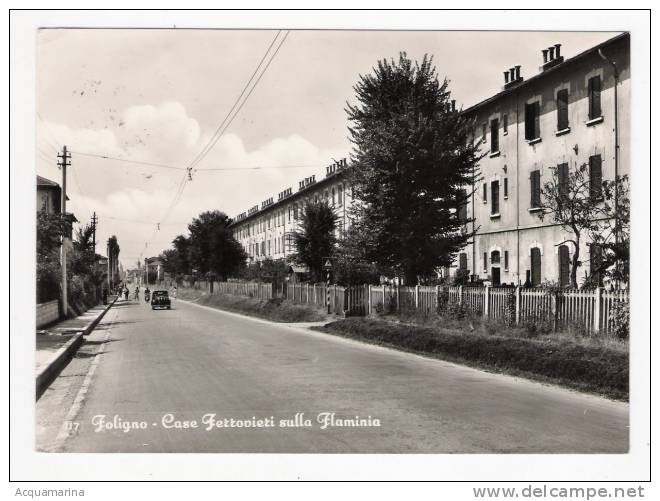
x=398 y=301
x=417 y=297
x=369 y=299
x=437 y=298
x=307 y=292
x=598 y=293
x=517 y=304
x=460 y=295
x=486 y=300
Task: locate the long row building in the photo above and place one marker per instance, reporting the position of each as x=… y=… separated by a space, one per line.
x=573 y=112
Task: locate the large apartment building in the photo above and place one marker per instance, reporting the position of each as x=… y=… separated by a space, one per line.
x=262 y=230
x=564 y=116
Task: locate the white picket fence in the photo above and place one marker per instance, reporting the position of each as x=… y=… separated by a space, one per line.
x=591 y=310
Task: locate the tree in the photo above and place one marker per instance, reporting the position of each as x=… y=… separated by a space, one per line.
x=351 y=266
x=50 y=229
x=613 y=235
x=213 y=249
x=412 y=160
x=113 y=257
x=587 y=213
x=182 y=246
x=316 y=237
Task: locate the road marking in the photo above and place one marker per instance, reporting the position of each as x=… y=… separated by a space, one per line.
x=68 y=429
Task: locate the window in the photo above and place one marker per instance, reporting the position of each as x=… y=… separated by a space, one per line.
x=462 y=206
x=333 y=197
x=495 y=257
x=494 y=135
x=339 y=195
x=596 y=263
x=535 y=187
x=562 y=109
x=289 y=213
x=536 y=266
x=594 y=97
x=495 y=197
x=506 y=187
x=562 y=181
x=505 y=124
x=532 y=128
x=506 y=260
x=295 y=211
x=485 y=195
x=596 y=177
x=484 y=128
x=564 y=266
x=485 y=261
x=462 y=261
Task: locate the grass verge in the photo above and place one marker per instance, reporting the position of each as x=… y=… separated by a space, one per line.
x=274 y=310
x=595 y=369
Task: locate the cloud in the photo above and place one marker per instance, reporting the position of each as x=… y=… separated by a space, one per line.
x=127 y=197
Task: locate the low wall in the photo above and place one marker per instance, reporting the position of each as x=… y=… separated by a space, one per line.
x=47 y=312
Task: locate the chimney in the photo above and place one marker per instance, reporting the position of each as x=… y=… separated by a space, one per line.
x=506 y=77
x=512 y=74
x=518 y=72
x=553 y=57
x=557 y=46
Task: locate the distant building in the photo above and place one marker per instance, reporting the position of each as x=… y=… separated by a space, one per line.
x=49 y=199
x=263 y=229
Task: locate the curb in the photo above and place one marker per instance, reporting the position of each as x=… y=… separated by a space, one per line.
x=61 y=357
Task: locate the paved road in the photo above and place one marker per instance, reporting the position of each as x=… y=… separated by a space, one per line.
x=192 y=361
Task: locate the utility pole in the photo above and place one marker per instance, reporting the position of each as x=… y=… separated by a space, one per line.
x=63 y=163
x=94 y=221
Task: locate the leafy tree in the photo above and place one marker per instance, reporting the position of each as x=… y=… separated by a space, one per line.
x=50 y=228
x=182 y=262
x=351 y=265
x=412 y=160
x=316 y=237
x=213 y=249
x=113 y=257
x=169 y=258
x=267 y=270
x=587 y=213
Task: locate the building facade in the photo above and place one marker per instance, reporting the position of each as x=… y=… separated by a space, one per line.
x=561 y=118
x=263 y=229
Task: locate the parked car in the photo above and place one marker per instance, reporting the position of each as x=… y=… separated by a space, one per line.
x=160 y=299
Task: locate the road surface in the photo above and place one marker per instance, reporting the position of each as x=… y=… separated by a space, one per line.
x=173 y=381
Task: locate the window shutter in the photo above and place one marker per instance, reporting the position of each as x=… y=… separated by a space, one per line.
x=564 y=266
x=485 y=261
x=506 y=186
x=463 y=261
x=537 y=116
x=529 y=122
x=536 y=266
x=596 y=261
x=594 y=97
x=562 y=109
x=535 y=182
x=595 y=176
x=506 y=260
x=494 y=135
x=495 y=197
x=562 y=174
x=485 y=192
x=505 y=123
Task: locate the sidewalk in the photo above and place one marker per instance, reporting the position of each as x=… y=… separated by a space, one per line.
x=57 y=343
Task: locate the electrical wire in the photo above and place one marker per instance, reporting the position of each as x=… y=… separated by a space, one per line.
x=108 y=157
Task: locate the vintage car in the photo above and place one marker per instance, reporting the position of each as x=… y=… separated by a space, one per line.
x=160 y=299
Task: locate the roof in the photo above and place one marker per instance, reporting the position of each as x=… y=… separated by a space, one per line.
x=46 y=183
x=538 y=76
x=303 y=191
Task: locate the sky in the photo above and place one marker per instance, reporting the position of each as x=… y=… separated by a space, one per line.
x=158 y=97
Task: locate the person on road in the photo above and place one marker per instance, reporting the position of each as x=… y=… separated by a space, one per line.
x=147 y=294
x=174 y=289
x=137 y=294
x=125 y=293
